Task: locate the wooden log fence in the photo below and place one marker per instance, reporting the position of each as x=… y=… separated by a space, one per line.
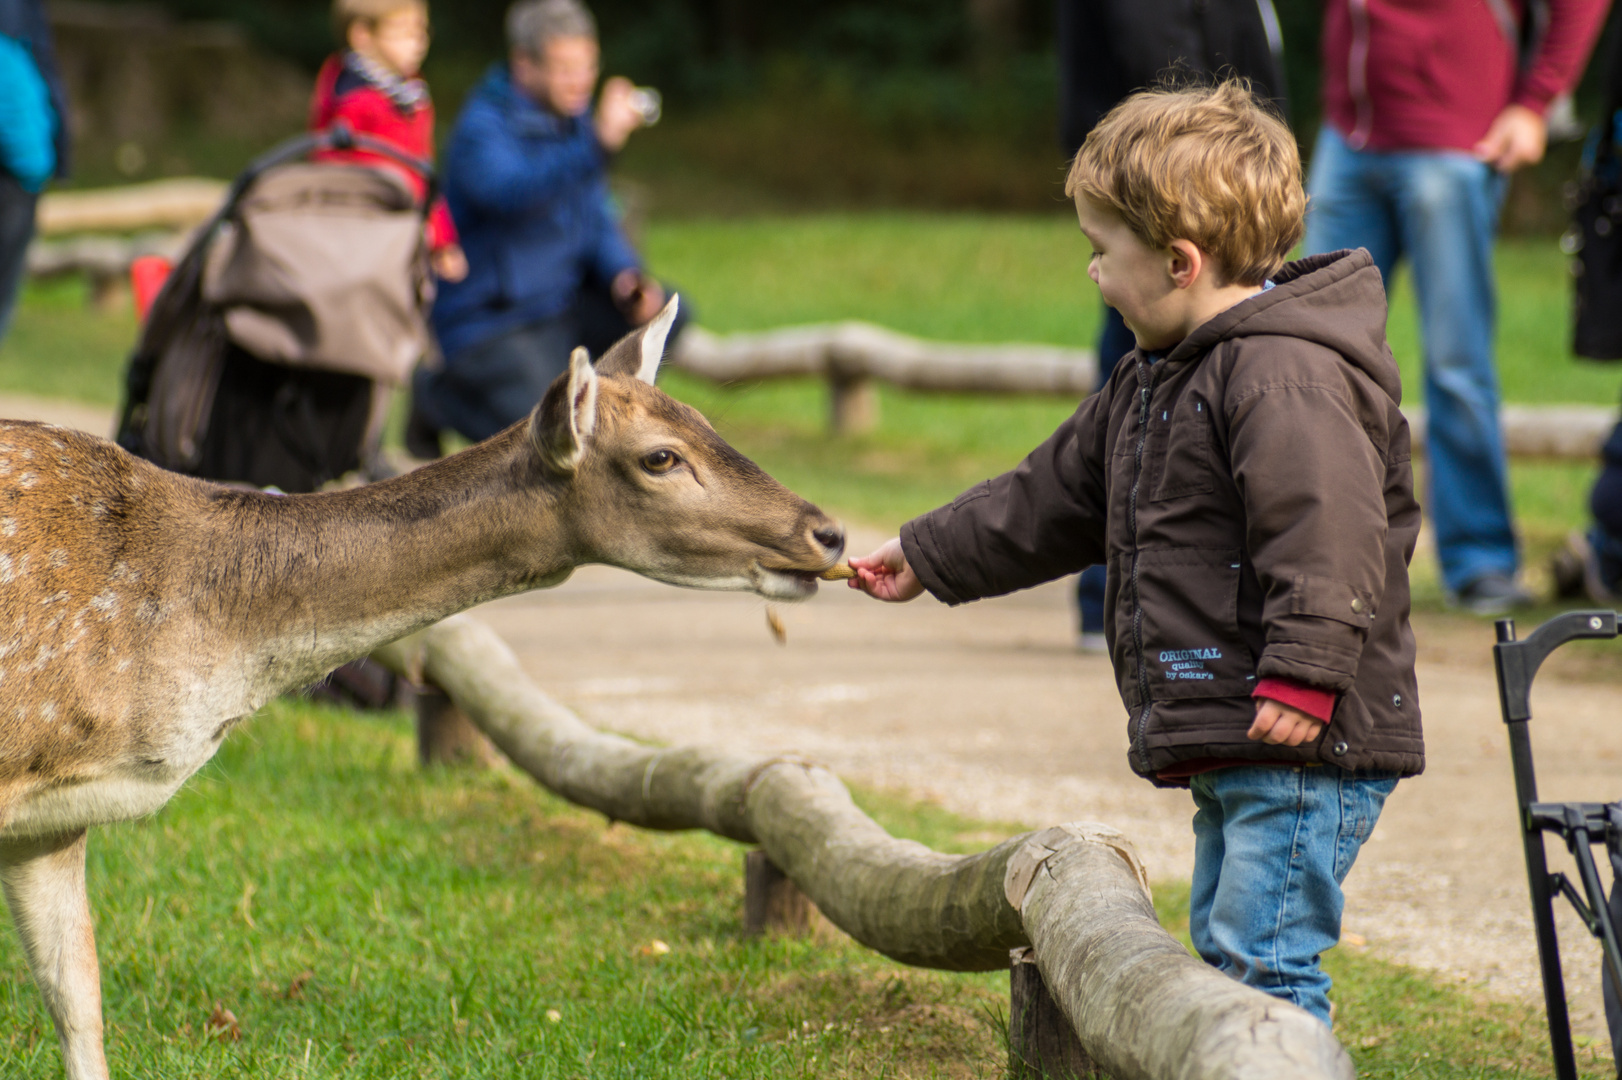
x=1142 y=1007
x=853 y=356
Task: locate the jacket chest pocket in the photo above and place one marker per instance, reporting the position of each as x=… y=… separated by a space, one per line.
x=1178 y=450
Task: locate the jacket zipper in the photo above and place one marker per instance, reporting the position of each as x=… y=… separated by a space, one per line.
x=1140 y=737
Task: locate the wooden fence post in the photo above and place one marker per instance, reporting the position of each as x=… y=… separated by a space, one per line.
x=853 y=403
x=445 y=736
x=771 y=902
x=1041 y=1043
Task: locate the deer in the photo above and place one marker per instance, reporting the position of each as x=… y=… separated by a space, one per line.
x=144 y=614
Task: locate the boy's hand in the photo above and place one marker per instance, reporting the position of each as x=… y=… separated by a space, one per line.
x=1281 y=725
x=885 y=575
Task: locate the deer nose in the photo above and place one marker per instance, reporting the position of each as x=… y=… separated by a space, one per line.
x=831 y=537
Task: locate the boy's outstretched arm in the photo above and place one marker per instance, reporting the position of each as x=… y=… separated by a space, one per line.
x=885 y=575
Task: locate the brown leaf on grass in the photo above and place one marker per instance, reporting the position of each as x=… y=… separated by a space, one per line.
x=295 y=989
x=654 y=948
x=222 y=1024
x=774 y=623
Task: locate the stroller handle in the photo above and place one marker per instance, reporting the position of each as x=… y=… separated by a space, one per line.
x=340 y=136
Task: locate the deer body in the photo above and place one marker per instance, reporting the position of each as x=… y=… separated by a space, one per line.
x=144 y=614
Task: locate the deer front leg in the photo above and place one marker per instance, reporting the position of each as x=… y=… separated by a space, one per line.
x=45 y=889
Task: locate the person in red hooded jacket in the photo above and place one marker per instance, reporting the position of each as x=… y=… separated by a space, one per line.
x=374 y=89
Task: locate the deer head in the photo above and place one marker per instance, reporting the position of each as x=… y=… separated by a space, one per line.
x=649 y=485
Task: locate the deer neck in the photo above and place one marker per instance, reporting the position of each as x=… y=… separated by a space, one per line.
x=320 y=580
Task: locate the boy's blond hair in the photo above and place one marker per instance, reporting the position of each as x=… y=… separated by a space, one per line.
x=1209 y=164
x=346 y=13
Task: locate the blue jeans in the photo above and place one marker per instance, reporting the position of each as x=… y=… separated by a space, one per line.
x=1114 y=342
x=1438 y=209
x=1272 y=844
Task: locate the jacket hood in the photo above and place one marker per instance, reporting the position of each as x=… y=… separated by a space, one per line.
x=1336 y=300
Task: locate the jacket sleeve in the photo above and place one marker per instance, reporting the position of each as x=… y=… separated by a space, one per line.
x=611 y=252
x=1040 y=521
x=497 y=174
x=27 y=121
x=1313 y=487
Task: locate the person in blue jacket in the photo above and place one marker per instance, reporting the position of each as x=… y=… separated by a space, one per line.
x=33 y=136
x=549 y=267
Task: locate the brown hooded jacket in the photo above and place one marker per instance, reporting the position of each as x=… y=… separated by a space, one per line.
x=1252 y=496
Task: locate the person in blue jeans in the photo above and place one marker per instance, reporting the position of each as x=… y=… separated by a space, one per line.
x=1427 y=110
x=33 y=136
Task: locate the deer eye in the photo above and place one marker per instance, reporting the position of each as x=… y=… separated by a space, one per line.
x=660 y=461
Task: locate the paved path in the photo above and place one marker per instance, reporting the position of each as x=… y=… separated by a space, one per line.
x=990 y=711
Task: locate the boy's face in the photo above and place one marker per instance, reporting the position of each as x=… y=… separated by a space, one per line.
x=1134 y=278
x=563 y=77
x=398 y=41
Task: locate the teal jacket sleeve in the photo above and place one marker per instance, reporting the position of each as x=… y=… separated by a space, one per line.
x=27 y=121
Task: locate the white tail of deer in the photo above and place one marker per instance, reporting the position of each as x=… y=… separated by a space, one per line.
x=143 y=614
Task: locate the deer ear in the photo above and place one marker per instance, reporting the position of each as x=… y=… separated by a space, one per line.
x=638 y=353
x=561 y=428
x=654 y=336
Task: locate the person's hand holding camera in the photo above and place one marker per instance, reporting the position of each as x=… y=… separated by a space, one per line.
x=637 y=296
x=617 y=114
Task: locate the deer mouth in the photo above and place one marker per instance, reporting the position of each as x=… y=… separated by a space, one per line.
x=783 y=584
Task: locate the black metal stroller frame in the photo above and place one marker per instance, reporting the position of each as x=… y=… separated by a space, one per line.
x=1580 y=825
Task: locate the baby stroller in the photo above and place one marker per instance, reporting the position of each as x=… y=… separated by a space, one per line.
x=270 y=354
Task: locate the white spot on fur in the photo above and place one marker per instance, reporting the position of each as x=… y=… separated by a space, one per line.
x=59 y=558
x=6 y=571
x=8 y=526
x=56 y=598
x=105 y=603
x=27 y=480
x=48 y=710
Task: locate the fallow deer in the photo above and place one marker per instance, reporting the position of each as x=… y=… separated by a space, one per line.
x=143 y=614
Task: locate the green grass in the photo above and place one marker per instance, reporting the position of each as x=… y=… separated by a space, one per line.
x=363 y=918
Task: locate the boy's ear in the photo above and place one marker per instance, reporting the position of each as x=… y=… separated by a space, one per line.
x=1185 y=262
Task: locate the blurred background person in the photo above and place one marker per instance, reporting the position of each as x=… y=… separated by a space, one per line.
x=1110 y=48
x=1428 y=109
x=549 y=266
x=373 y=87
x=33 y=136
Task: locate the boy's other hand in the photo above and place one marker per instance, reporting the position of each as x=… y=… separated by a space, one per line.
x=449 y=263
x=885 y=575
x=1281 y=725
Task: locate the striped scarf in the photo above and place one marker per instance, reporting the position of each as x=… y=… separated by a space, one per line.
x=408 y=95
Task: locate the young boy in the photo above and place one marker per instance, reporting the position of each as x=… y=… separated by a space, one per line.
x=1245 y=477
x=374 y=89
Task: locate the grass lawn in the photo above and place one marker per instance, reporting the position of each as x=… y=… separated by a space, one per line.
x=363 y=918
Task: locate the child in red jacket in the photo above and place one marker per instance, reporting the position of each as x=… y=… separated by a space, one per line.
x=374 y=89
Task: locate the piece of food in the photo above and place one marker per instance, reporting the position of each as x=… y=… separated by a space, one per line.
x=774 y=622
x=841 y=572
